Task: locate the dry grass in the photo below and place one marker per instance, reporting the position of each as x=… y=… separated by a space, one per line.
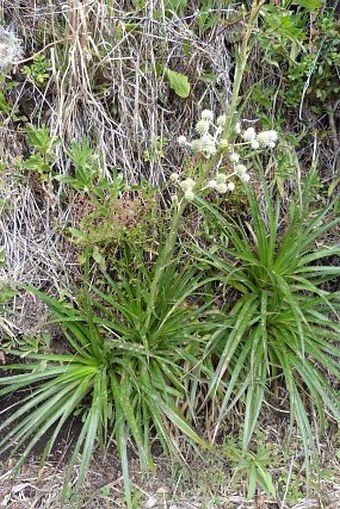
x=106 y=82
x=107 y=78
x=36 y=487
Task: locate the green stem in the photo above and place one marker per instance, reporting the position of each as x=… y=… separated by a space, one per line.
x=164 y=258
x=241 y=62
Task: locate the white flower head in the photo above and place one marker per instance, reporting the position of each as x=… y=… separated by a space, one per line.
x=224 y=143
x=249 y=134
x=202 y=127
x=237 y=128
x=221 y=178
x=240 y=169
x=208 y=146
x=207 y=115
x=10 y=47
x=255 y=144
x=187 y=184
x=222 y=188
x=245 y=177
x=231 y=186
x=174 y=177
x=212 y=184
x=234 y=157
x=189 y=195
x=221 y=120
x=267 y=139
x=182 y=140
x=196 y=145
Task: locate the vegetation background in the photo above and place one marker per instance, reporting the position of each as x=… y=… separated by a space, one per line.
x=94 y=95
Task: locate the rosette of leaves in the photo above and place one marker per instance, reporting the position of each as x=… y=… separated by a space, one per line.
x=129 y=364
x=282 y=329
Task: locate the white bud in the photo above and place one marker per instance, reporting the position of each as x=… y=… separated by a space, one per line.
x=221 y=120
x=208 y=146
x=207 y=115
x=245 y=177
x=234 y=157
x=224 y=143
x=267 y=138
x=249 y=134
x=187 y=184
x=212 y=184
x=255 y=144
x=221 y=178
x=231 y=186
x=174 y=177
x=202 y=127
x=222 y=188
x=240 y=169
x=237 y=128
x=189 y=195
x=181 y=140
x=196 y=145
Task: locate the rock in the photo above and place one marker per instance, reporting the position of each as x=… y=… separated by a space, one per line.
x=152 y=502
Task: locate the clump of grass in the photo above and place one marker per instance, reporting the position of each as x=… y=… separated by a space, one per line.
x=284 y=324
x=132 y=348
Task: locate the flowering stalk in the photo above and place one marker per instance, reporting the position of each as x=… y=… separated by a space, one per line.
x=207 y=146
x=164 y=257
x=241 y=62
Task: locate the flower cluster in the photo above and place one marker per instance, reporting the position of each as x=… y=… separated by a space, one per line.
x=209 y=134
x=10 y=47
x=264 y=139
x=219 y=184
x=186 y=185
x=211 y=140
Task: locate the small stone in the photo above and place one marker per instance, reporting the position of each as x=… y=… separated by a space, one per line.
x=152 y=502
x=162 y=490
